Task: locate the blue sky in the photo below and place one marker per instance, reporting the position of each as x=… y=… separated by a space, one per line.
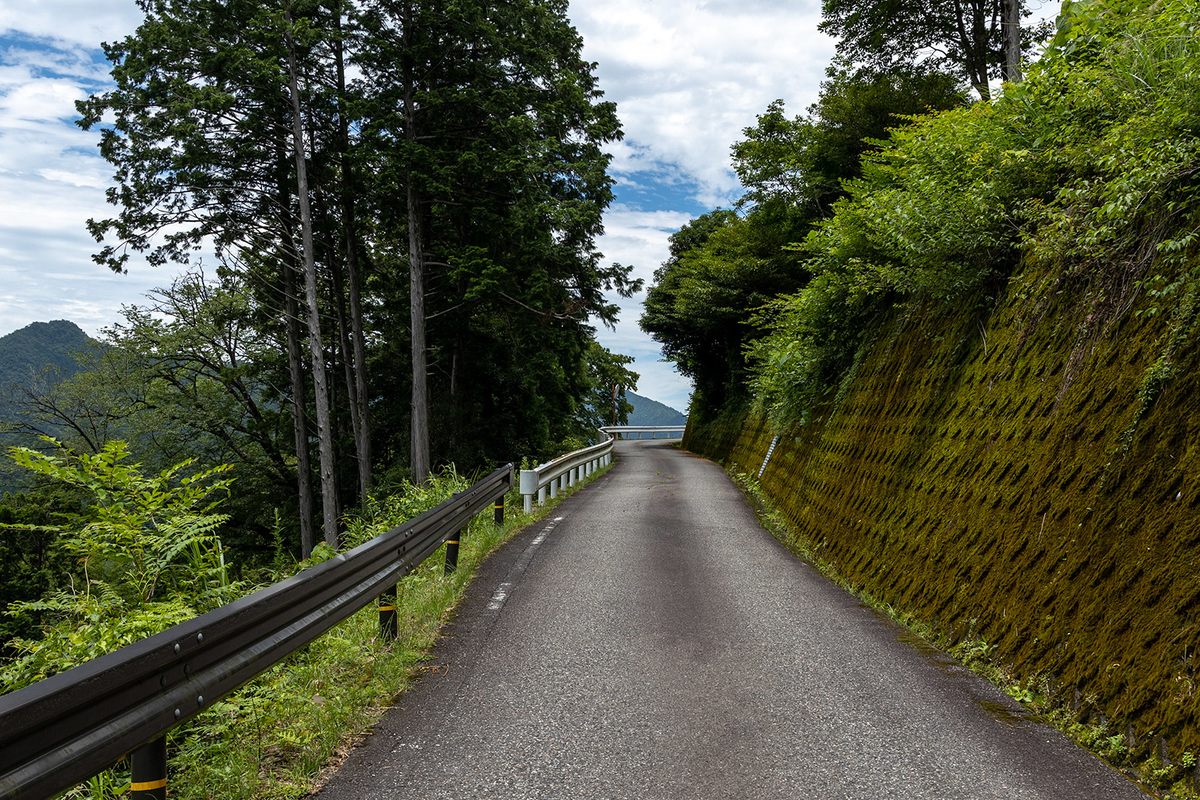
x=687 y=77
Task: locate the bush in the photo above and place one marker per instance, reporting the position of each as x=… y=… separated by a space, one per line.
x=148 y=553
x=815 y=336
x=1091 y=169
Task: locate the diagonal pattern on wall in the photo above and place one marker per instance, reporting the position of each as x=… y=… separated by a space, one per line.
x=966 y=479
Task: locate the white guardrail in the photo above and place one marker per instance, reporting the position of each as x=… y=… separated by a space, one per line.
x=564 y=471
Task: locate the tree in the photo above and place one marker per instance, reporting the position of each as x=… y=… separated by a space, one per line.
x=211 y=103
x=608 y=382
x=724 y=266
x=190 y=374
x=486 y=122
x=800 y=163
x=316 y=344
x=460 y=177
x=965 y=38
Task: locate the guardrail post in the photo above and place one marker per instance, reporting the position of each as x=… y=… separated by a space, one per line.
x=528 y=485
x=452 y=552
x=149 y=767
x=387 y=614
x=498 y=508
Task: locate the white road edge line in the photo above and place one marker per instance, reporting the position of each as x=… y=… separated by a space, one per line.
x=505 y=588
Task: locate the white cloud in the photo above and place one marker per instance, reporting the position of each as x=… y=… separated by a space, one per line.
x=51 y=176
x=688 y=77
x=83 y=23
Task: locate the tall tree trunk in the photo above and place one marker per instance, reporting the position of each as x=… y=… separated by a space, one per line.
x=979 y=51
x=362 y=417
x=295 y=351
x=419 y=463
x=339 y=302
x=315 y=345
x=1011 y=23
x=308 y=539
x=974 y=53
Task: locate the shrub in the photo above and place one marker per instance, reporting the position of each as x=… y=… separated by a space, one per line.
x=147 y=550
x=1090 y=169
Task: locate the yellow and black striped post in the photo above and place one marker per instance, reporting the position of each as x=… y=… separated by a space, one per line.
x=452 y=552
x=149 y=767
x=387 y=614
x=499 y=509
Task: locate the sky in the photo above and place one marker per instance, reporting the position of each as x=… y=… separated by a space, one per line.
x=687 y=76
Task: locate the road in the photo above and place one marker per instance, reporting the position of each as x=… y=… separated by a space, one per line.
x=650 y=640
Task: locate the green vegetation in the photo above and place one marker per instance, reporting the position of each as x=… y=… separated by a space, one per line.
x=1039 y=695
x=1088 y=169
x=704 y=306
x=146 y=551
x=984 y=386
x=150 y=558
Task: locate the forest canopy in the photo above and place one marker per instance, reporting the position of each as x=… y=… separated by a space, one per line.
x=403 y=200
x=1087 y=167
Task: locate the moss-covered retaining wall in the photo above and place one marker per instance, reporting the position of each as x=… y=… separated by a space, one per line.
x=966 y=480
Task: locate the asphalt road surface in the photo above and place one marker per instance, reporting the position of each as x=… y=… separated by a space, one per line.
x=650 y=640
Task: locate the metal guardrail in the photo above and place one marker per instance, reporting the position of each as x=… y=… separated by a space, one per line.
x=68 y=727
x=552 y=477
x=564 y=471
x=625 y=431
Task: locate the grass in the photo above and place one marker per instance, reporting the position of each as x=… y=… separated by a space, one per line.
x=1173 y=781
x=278 y=735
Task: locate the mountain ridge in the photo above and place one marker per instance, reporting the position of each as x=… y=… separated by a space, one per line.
x=40 y=353
x=27 y=352
x=652 y=413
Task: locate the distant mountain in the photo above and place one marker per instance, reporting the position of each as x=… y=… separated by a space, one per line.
x=40 y=352
x=652 y=412
x=26 y=353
